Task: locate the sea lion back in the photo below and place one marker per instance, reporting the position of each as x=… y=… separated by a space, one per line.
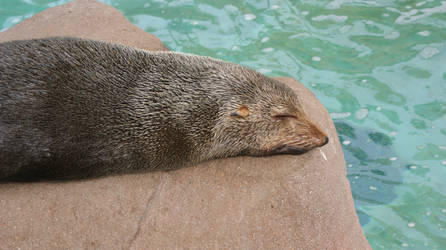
x=63 y=102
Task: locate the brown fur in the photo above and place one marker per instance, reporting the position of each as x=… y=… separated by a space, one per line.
x=73 y=108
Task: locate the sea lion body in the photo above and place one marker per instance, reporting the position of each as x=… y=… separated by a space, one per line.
x=73 y=108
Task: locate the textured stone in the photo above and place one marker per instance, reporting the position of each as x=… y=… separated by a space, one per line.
x=87 y=19
x=298 y=202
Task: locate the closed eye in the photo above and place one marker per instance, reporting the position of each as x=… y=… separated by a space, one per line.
x=284 y=116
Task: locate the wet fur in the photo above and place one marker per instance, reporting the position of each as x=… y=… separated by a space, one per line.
x=73 y=108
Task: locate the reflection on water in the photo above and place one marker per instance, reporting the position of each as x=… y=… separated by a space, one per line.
x=377 y=66
x=370 y=162
x=375 y=172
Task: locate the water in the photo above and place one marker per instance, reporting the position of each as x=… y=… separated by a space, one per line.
x=378 y=66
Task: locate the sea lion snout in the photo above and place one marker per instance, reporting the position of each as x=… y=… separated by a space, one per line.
x=300 y=140
x=320 y=138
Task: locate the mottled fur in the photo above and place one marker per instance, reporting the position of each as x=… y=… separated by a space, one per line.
x=73 y=108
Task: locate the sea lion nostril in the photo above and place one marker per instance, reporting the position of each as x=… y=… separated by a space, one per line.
x=326 y=141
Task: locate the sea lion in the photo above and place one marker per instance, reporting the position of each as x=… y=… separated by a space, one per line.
x=73 y=108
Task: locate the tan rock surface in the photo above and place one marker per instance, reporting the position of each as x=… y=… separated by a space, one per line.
x=87 y=19
x=298 y=202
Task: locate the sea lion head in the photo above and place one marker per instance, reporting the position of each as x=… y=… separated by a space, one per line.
x=266 y=118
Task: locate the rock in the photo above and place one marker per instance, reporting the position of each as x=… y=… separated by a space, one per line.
x=87 y=19
x=298 y=202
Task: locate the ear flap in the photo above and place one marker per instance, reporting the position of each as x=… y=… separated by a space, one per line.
x=242 y=111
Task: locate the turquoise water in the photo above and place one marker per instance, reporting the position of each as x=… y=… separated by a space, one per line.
x=378 y=66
